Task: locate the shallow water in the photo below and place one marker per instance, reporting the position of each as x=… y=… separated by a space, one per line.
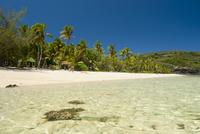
x=142 y=106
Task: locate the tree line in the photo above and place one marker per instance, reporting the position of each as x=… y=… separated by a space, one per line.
x=26 y=46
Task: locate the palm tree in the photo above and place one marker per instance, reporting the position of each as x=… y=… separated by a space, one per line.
x=23 y=29
x=49 y=35
x=80 y=50
x=25 y=34
x=38 y=37
x=112 y=52
x=54 y=52
x=98 y=47
x=125 y=53
x=66 y=34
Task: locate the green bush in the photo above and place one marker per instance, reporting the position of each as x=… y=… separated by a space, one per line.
x=80 y=66
x=54 y=67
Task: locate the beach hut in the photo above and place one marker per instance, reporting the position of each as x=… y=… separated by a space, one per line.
x=30 y=62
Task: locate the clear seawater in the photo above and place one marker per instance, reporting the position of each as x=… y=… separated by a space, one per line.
x=142 y=106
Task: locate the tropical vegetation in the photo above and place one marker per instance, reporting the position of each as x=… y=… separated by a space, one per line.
x=26 y=46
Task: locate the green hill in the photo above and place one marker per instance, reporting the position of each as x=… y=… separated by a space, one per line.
x=176 y=58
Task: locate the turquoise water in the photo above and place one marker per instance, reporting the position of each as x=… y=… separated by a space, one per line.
x=142 y=106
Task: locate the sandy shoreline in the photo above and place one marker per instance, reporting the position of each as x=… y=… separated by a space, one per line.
x=39 y=77
x=140 y=106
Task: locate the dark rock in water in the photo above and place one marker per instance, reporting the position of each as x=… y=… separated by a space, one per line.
x=130 y=126
x=181 y=126
x=197 y=118
x=76 y=102
x=153 y=127
x=11 y=86
x=64 y=114
x=58 y=115
x=103 y=119
x=186 y=70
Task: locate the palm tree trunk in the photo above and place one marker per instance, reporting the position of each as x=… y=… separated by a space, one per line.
x=40 y=57
x=44 y=64
x=68 y=41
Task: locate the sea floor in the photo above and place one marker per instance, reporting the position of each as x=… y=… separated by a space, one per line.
x=142 y=106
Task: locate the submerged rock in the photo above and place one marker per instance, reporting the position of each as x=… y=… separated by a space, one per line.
x=197 y=118
x=57 y=115
x=11 y=86
x=64 y=114
x=181 y=126
x=153 y=127
x=130 y=126
x=76 y=102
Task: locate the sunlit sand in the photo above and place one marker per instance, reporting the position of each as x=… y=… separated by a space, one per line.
x=38 y=77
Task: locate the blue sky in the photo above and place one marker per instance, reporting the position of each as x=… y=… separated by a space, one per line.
x=142 y=25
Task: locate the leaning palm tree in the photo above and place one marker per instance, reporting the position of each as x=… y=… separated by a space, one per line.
x=38 y=38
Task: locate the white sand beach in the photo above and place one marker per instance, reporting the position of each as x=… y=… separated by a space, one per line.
x=118 y=105
x=39 y=77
